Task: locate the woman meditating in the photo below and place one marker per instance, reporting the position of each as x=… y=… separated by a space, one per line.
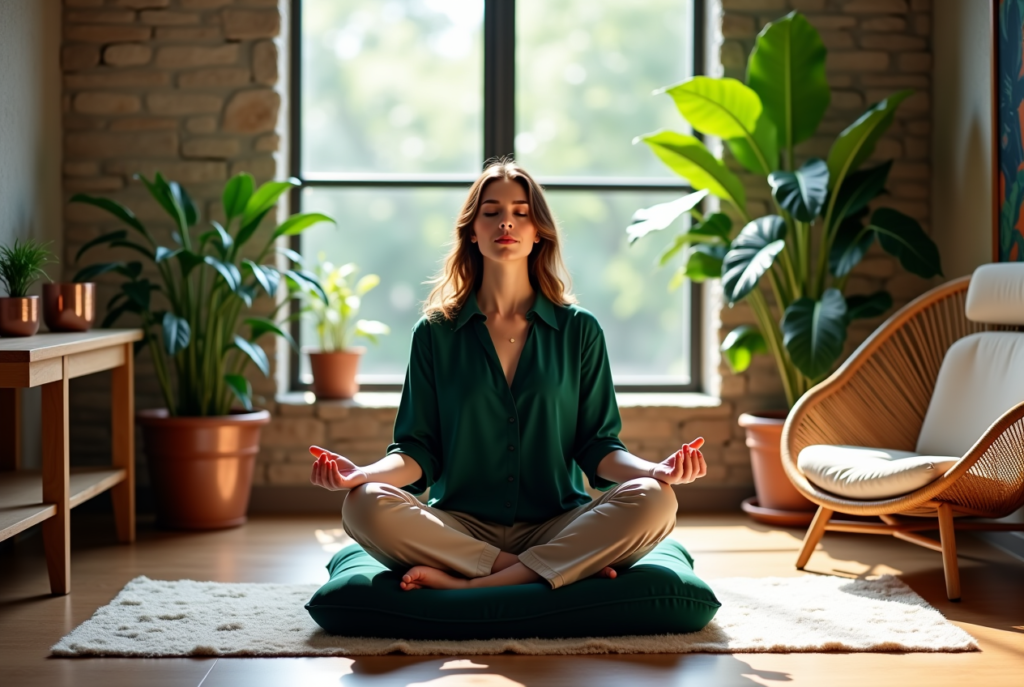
x=507 y=403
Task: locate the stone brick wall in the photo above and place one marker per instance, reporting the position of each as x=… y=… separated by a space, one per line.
x=186 y=86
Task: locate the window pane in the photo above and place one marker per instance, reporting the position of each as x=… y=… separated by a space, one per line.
x=392 y=87
x=403 y=234
x=647 y=328
x=585 y=70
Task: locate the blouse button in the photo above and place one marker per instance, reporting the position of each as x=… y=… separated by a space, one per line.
x=511 y=419
x=511 y=478
x=511 y=447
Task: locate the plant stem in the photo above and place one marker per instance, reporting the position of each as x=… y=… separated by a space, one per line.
x=773 y=337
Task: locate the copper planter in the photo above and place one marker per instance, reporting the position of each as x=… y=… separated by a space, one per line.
x=201 y=467
x=334 y=372
x=19 y=316
x=69 y=307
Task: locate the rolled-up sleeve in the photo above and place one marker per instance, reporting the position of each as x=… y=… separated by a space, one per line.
x=598 y=423
x=417 y=425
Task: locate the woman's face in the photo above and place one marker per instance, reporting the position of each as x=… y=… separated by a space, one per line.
x=502 y=227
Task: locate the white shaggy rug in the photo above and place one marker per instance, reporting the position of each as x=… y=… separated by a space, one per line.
x=783 y=614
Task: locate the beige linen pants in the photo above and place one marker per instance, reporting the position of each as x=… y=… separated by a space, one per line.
x=616 y=529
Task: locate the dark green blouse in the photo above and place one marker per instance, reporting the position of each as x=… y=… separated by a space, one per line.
x=505 y=454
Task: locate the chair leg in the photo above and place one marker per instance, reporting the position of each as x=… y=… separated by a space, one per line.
x=813 y=536
x=947 y=534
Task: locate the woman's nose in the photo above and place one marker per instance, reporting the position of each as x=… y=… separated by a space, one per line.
x=506 y=224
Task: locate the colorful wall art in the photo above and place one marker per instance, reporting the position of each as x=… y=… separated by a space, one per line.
x=1008 y=112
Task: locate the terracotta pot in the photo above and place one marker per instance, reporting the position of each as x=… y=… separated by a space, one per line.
x=201 y=467
x=19 y=316
x=764 y=439
x=69 y=307
x=334 y=372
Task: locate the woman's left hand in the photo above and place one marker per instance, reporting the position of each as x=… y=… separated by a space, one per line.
x=684 y=466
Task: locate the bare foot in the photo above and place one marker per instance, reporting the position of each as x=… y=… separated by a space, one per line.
x=425 y=577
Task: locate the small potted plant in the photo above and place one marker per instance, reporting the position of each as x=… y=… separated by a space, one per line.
x=21 y=265
x=823 y=221
x=201 y=447
x=336 y=362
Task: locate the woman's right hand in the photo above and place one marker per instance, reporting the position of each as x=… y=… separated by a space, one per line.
x=335 y=472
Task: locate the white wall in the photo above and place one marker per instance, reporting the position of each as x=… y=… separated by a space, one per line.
x=962 y=135
x=30 y=144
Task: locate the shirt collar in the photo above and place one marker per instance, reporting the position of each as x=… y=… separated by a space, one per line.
x=542 y=307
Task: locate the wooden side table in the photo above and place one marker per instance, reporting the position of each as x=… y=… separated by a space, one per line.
x=30 y=497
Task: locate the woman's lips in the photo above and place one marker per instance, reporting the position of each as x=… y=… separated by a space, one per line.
x=506 y=240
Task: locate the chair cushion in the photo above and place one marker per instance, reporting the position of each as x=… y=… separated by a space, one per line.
x=659 y=594
x=996 y=294
x=982 y=377
x=857 y=472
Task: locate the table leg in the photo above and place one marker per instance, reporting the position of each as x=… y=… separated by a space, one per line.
x=57 y=530
x=10 y=429
x=122 y=425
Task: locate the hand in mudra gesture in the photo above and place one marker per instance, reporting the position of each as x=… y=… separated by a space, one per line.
x=335 y=472
x=684 y=466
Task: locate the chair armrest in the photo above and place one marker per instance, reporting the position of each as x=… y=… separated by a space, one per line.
x=880 y=395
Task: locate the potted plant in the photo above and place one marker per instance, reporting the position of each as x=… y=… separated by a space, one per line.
x=21 y=265
x=336 y=362
x=820 y=228
x=197 y=325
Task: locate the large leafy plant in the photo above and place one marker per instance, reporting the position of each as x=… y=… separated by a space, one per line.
x=821 y=227
x=207 y=284
x=336 y=319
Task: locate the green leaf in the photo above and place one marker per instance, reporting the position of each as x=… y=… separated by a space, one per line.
x=658 y=217
x=767 y=141
x=266 y=276
x=687 y=157
x=119 y=235
x=752 y=253
x=714 y=230
x=255 y=353
x=296 y=224
x=188 y=261
x=866 y=307
x=115 y=314
x=901 y=236
x=191 y=215
x=741 y=345
x=132 y=270
x=133 y=246
x=851 y=244
x=248 y=229
x=813 y=332
x=856 y=143
x=114 y=208
x=704 y=262
x=165 y=253
x=228 y=271
x=92 y=271
x=367 y=284
x=860 y=188
x=787 y=69
x=371 y=329
x=177 y=333
x=163 y=195
x=225 y=238
x=292 y=255
x=302 y=280
x=261 y=325
x=241 y=389
x=266 y=197
x=236 y=195
x=139 y=291
x=801 y=193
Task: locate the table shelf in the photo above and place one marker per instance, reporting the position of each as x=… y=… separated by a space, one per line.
x=21 y=495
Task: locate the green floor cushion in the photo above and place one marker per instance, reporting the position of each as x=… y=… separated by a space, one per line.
x=659 y=594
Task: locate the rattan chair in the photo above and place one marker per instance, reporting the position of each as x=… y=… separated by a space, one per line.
x=879 y=398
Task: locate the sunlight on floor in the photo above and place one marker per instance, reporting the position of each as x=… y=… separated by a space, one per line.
x=461 y=664
x=475 y=680
x=333 y=541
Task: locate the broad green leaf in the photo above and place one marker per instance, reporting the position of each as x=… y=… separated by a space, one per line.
x=767 y=140
x=241 y=389
x=850 y=245
x=856 y=143
x=236 y=195
x=787 y=69
x=177 y=333
x=222 y=233
x=188 y=261
x=704 y=262
x=255 y=353
x=902 y=237
x=859 y=189
x=162 y=194
x=138 y=292
x=301 y=280
x=133 y=246
x=265 y=197
x=296 y=224
x=713 y=230
x=132 y=270
x=191 y=215
x=226 y=270
x=658 y=217
x=92 y=271
x=266 y=276
x=117 y=297
x=722 y=107
x=165 y=253
x=741 y=345
x=813 y=332
x=752 y=253
x=249 y=228
x=371 y=329
x=116 y=209
x=802 y=193
x=119 y=235
x=864 y=307
x=367 y=284
x=687 y=157
x=292 y=255
x=261 y=325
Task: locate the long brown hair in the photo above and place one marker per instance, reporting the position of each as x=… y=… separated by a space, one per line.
x=464 y=266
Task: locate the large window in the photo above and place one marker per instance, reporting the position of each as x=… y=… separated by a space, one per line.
x=396 y=105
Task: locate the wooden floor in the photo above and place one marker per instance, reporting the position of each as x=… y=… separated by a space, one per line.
x=295 y=549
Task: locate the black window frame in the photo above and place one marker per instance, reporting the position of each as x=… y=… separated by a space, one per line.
x=499 y=139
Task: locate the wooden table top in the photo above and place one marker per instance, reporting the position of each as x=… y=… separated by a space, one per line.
x=30 y=349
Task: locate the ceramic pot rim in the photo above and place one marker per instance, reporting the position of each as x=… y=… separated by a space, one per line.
x=161 y=417
x=762 y=418
x=18 y=298
x=354 y=350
